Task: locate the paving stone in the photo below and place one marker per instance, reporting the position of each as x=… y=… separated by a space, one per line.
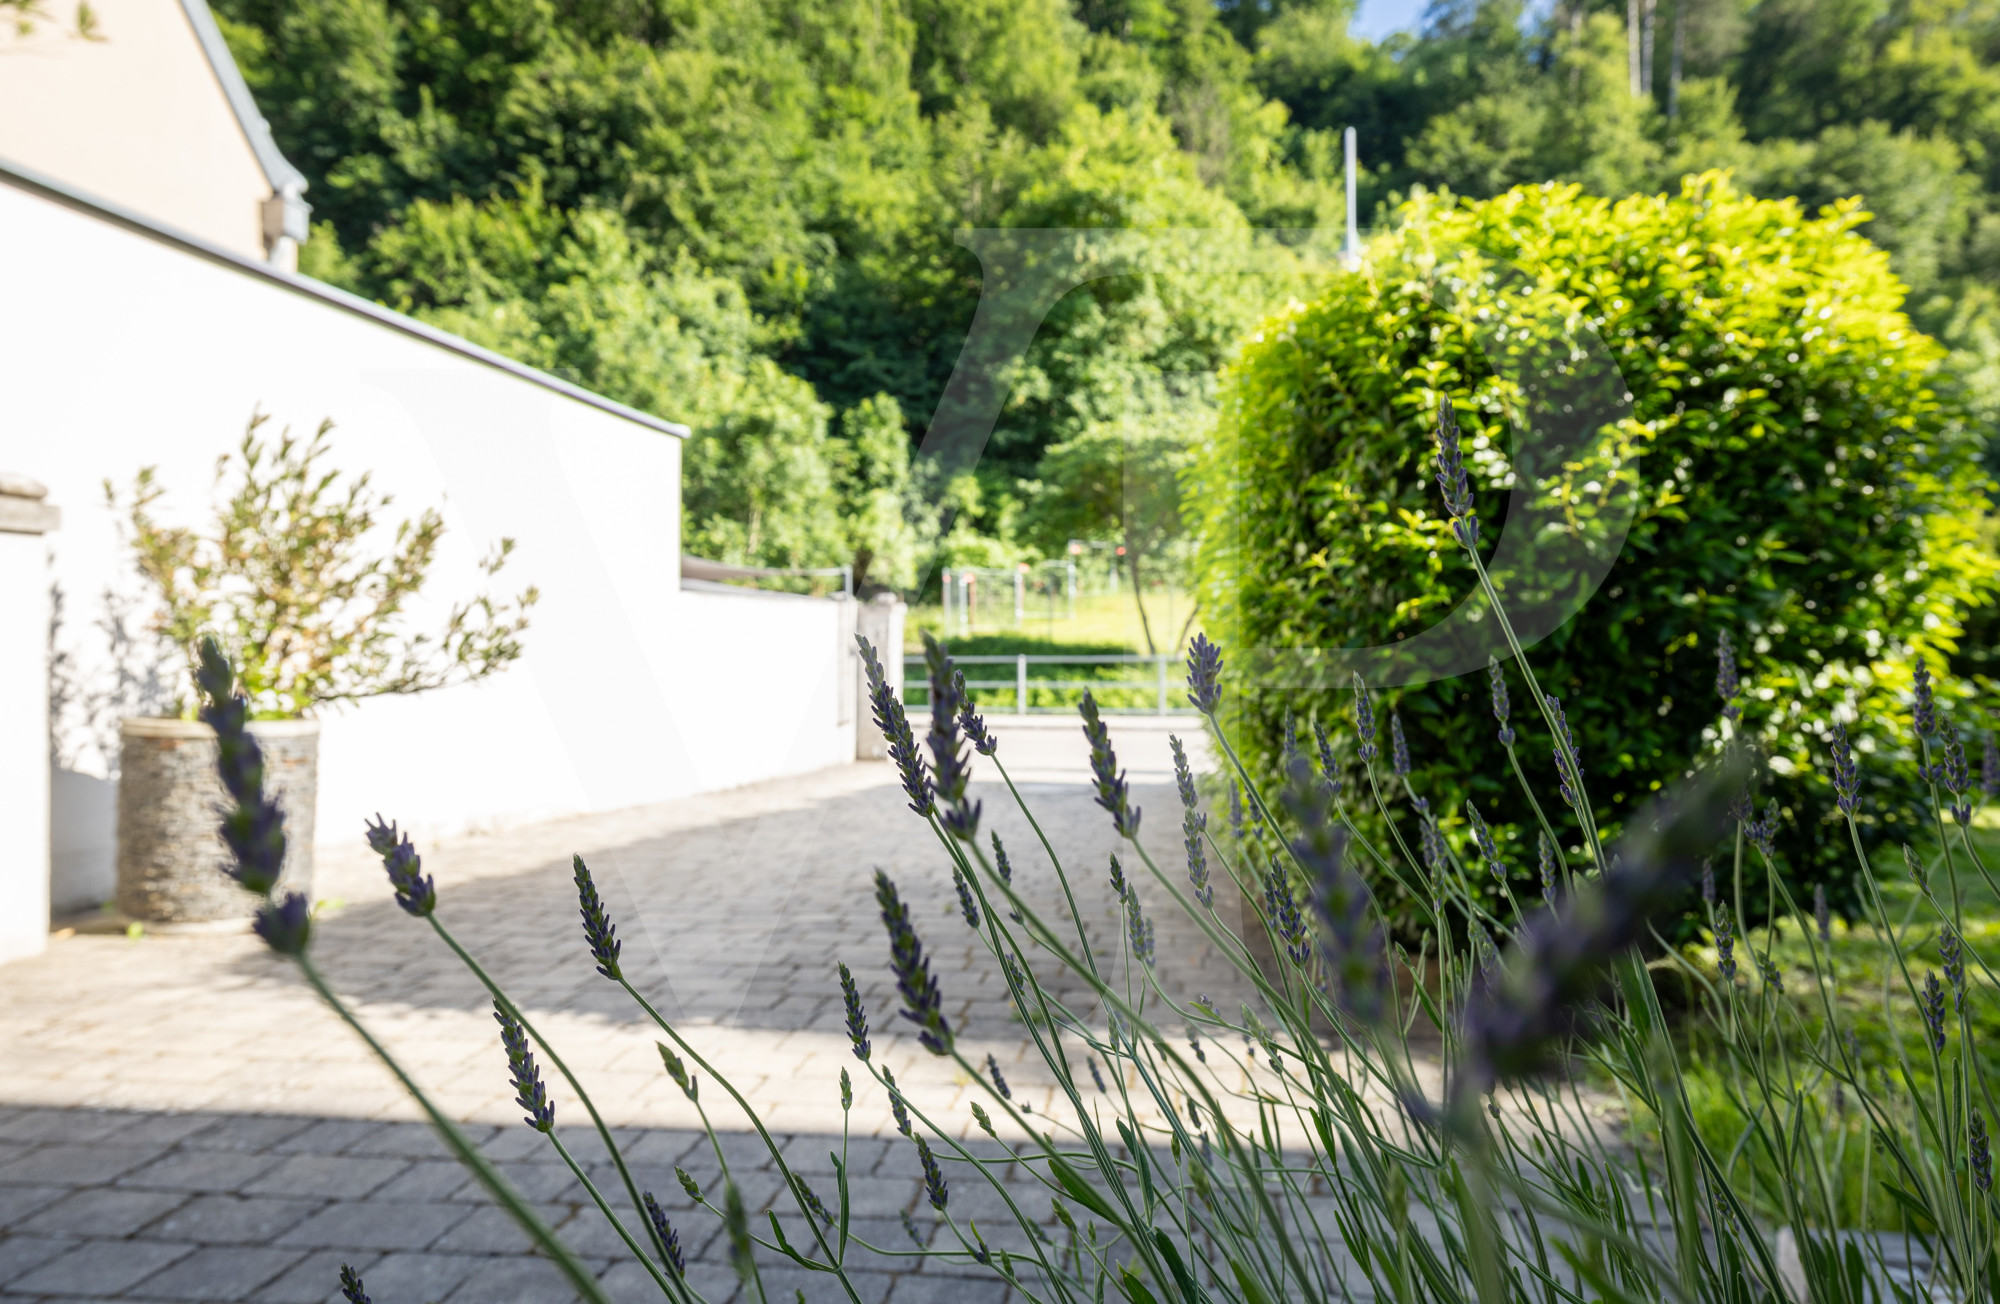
x=438 y=1179
x=377 y=1225
x=99 y=1268
x=232 y=1220
x=78 y=1165
x=21 y=1254
x=514 y=1281
x=329 y=1177
x=490 y=1229
x=249 y=1132
x=417 y=1277
x=102 y=1212
x=220 y=1273
x=202 y=1170
x=21 y=1202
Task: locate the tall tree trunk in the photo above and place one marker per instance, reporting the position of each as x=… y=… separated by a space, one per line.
x=1632 y=45
x=1646 y=8
x=1674 y=64
x=1139 y=601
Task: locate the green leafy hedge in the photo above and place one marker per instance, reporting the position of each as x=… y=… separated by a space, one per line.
x=1805 y=488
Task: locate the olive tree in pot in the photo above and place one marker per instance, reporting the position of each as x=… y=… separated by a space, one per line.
x=298 y=577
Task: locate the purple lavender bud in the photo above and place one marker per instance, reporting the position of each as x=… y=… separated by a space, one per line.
x=1725 y=945
x=1483 y=836
x=1822 y=915
x=1329 y=769
x=1432 y=843
x=253 y=826
x=1113 y=793
x=597 y=927
x=810 y=1198
x=1981 y=1153
x=910 y=1229
x=1235 y=813
x=894 y=723
x=1547 y=852
x=1846 y=778
x=896 y=1104
x=966 y=904
x=529 y=1093
x=1924 y=710
x=415 y=892
x=923 y=1004
x=1204 y=663
x=1487 y=955
x=1183 y=777
x=1569 y=765
x=1119 y=884
x=1953 y=772
x=1139 y=931
x=1727 y=682
x=285 y=923
x=1352 y=946
x=1451 y=476
x=1095 y=1075
x=857 y=1015
x=1364 y=721
x=1930 y=1002
x=1762 y=831
x=1952 y=953
x=1399 y=751
x=1193 y=823
x=1767 y=969
x=670 y=1240
x=999 y=1082
x=350 y=1286
x=973 y=723
x=1501 y=706
x=934 y=1186
x=951 y=771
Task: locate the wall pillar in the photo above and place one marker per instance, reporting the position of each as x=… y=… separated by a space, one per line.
x=25 y=516
x=880 y=621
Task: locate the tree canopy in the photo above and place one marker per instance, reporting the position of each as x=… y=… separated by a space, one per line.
x=742 y=215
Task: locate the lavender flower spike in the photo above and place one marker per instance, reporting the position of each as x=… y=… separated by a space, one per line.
x=1329 y=769
x=1924 y=709
x=1193 y=824
x=1725 y=945
x=1364 y=721
x=529 y=1093
x=1953 y=772
x=1451 y=476
x=415 y=892
x=934 y=1184
x=973 y=723
x=597 y=927
x=1399 y=751
x=1981 y=1153
x=857 y=1015
x=1951 y=952
x=894 y=723
x=285 y=923
x=1728 y=683
x=676 y=1262
x=253 y=826
x=951 y=773
x=923 y=1003
x=1353 y=947
x=1930 y=1002
x=1501 y=706
x=1846 y=778
x=1204 y=663
x=1569 y=767
x=999 y=1082
x=350 y=1286
x=1113 y=793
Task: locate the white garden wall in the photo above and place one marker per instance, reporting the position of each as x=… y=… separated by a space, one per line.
x=122 y=347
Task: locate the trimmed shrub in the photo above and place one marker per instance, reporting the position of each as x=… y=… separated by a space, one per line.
x=1805 y=490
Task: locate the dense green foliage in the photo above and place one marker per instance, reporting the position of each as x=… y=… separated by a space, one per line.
x=1803 y=489
x=740 y=215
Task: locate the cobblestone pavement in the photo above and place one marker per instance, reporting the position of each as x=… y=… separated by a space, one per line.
x=181 y=1119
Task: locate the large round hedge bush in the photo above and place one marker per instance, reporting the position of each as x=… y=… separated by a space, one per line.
x=1803 y=488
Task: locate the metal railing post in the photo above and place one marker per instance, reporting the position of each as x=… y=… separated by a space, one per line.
x=944 y=596
x=1021 y=684
x=1161 y=665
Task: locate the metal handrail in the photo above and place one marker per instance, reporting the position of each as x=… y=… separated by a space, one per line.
x=1021 y=682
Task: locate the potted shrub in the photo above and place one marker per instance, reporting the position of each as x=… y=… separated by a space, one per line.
x=297 y=578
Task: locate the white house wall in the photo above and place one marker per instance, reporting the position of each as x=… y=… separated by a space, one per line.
x=118 y=350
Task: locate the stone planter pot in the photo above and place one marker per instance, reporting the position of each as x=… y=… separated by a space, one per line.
x=170 y=857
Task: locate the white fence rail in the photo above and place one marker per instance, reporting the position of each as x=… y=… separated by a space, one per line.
x=1155 y=690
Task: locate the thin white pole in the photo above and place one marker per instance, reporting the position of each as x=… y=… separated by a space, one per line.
x=1021 y=684
x=1350 y=254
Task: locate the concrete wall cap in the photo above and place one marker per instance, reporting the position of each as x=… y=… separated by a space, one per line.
x=153 y=726
x=15 y=485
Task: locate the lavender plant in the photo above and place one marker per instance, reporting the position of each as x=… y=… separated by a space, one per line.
x=1329 y=1160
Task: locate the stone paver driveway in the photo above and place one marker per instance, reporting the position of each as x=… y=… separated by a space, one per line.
x=181 y=1119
